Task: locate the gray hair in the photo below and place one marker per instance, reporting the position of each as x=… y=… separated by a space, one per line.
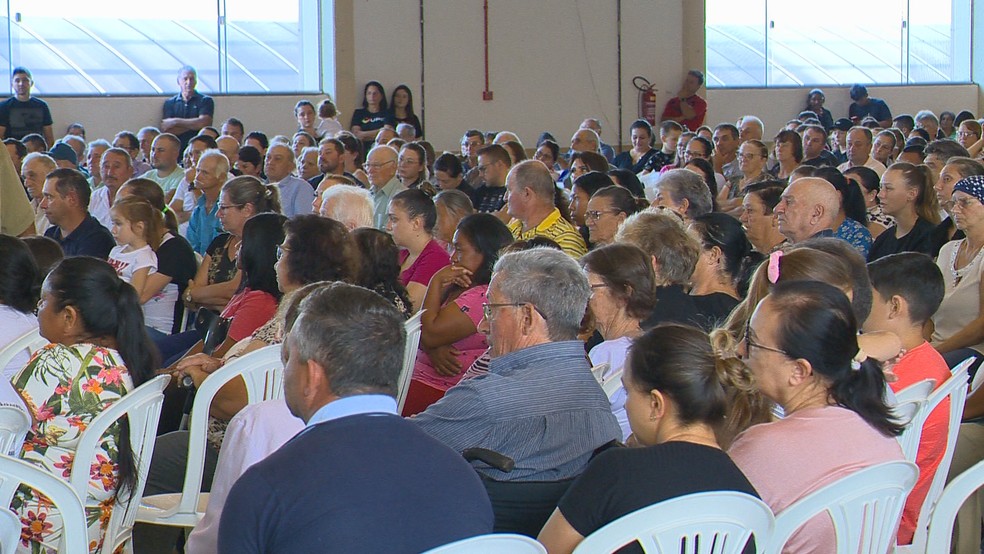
x=99 y=143
x=335 y=324
x=350 y=205
x=401 y=126
x=221 y=163
x=47 y=162
x=533 y=175
x=662 y=235
x=550 y=280
x=456 y=202
x=926 y=114
x=682 y=184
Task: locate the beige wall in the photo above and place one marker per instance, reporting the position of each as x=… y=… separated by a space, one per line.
x=551 y=63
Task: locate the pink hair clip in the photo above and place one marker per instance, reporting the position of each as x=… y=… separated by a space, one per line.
x=774 y=266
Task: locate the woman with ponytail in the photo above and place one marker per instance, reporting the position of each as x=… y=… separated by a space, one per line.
x=679 y=392
x=801 y=346
x=99 y=352
x=20 y=283
x=720 y=277
x=907 y=195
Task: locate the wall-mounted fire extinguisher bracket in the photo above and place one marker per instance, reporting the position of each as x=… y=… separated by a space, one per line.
x=647 y=98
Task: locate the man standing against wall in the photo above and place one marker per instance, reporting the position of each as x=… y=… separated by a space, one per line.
x=188 y=111
x=687 y=108
x=23 y=114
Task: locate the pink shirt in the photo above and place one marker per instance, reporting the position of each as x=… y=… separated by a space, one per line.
x=431 y=260
x=471 y=347
x=248 y=309
x=923 y=362
x=790 y=458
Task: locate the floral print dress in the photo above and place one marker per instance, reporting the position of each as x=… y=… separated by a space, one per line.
x=65 y=387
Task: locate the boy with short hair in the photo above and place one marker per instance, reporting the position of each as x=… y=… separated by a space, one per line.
x=907 y=291
x=669 y=136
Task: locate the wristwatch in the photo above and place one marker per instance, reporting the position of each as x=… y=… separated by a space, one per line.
x=187 y=295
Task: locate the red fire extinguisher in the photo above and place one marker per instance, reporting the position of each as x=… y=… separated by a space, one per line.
x=647 y=98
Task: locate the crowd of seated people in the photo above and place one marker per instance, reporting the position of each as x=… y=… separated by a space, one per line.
x=692 y=313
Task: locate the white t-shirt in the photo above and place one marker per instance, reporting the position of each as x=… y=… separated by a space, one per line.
x=99 y=206
x=126 y=261
x=13 y=324
x=613 y=352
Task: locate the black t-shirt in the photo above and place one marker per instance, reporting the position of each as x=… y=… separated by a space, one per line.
x=620 y=481
x=712 y=309
x=941 y=235
x=176 y=259
x=624 y=161
x=24 y=118
x=489 y=199
x=916 y=240
x=413 y=120
x=370 y=121
x=673 y=305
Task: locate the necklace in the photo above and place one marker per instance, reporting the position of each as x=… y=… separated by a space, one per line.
x=958 y=274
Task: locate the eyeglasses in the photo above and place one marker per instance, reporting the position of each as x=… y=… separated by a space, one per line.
x=408 y=161
x=965 y=134
x=750 y=343
x=965 y=203
x=749 y=157
x=487 y=308
x=281 y=250
x=369 y=167
x=595 y=215
x=224 y=207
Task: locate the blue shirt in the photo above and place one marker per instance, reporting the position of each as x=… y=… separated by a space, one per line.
x=856 y=234
x=296 y=196
x=203 y=226
x=540 y=406
x=354 y=405
x=196 y=106
x=88 y=239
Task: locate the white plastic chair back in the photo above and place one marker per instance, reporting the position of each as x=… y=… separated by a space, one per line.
x=599 y=371
x=612 y=384
x=13 y=472
x=262 y=370
x=865 y=507
x=142 y=408
x=10 y=531
x=32 y=341
x=963 y=366
x=908 y=413
x=14 y=425
x=409 y=358
x=916 y=391
x=497 y=543
x=955 y=389
x=949 y=503
x=710 y=522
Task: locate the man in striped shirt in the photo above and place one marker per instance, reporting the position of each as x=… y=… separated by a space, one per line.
x=530 y=192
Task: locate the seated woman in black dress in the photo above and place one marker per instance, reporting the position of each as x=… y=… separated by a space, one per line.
x=721 y=275
x=635 y=159
x=907 y=195
x=678 y=392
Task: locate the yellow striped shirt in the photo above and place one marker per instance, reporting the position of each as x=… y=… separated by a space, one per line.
x=556 y=229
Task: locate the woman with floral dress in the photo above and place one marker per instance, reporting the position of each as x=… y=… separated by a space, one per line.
x=99 y=352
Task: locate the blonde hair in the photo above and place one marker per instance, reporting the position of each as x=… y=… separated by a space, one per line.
x=135 y=210
x=921 y=178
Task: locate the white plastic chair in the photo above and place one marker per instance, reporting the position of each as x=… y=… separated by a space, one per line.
x=908 y=412
x=14 y=425
x=262 y=371
x=710 y=522
x=10 y=531
x=13 y=472
x=865 y=507
x=916 y=391
x=955 y=388
x=32 y=341
x=599 y=371
x=949 y=503
x=612 y=384
x=142 y=408
x=496 y=543
x=963 y=366
x=409 y=357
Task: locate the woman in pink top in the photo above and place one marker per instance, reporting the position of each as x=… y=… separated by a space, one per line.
x=801 y=346
x=449 y=338
x=411 y=219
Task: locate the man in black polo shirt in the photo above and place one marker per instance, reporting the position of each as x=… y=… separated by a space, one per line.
x=187 y=112
x=22 y=114
x=65 y=201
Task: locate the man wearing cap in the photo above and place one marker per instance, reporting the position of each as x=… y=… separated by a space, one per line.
x=865 y=105
x=23 y=114
x=64 y=156
x=189 y=111
x=116 y=168
x=838 y=139
x=859 y=141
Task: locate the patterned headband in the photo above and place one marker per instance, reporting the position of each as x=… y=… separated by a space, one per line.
x=973 y=185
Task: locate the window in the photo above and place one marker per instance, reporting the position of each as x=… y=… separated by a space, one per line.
x=764 y=43
x=128 y=47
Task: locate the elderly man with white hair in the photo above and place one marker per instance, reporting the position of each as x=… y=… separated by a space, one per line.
x=381 y=168
x=296 y=194
x=34 y=168
x=808 y=208
x=350 y=205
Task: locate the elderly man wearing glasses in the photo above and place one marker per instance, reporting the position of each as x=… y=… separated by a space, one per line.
x=539 y=404
x=381 y=168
